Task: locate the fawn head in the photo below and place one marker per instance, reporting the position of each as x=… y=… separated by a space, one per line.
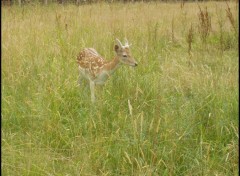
x=124 y=53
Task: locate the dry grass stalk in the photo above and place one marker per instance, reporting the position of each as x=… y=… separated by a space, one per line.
x=58 y=17
x=58 y=20
x=182 y=4
x=190 y=39
x=231 y=18
x=204 y=23
x=221 y=25
x=173 y=37
x=66 y=27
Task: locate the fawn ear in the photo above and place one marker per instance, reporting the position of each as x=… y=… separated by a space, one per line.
x=126 y=42
x=116 y=48
x=119 y=43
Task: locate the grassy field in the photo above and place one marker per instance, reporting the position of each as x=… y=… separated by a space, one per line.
x=175 y=114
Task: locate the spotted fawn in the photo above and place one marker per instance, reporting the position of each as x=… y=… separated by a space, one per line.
x=97 y=70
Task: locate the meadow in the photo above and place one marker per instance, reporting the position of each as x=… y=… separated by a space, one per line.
x=175 y=114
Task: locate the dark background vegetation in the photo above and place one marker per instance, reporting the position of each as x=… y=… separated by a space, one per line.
x=81 y=2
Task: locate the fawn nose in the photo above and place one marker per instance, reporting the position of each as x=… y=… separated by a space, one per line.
x=136 y=64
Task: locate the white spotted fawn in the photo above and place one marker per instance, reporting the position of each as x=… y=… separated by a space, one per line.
x=96 y=69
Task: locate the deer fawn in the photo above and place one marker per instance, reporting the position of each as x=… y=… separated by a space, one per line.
x=96 y=69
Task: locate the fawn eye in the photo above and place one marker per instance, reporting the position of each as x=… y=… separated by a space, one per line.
x=124 y=55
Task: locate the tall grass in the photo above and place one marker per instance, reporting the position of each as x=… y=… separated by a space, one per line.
x=162 y=118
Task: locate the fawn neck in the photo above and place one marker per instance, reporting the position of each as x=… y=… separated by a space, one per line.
x=112 y=65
